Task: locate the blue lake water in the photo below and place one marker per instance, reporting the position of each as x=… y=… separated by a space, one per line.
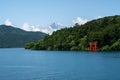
x=21 y=64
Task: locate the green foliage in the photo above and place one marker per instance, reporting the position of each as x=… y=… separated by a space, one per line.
x=15 y=37
x=29 y=45
x=83 y=43
x=106 y=31
x=106 y=48
x=116 y=46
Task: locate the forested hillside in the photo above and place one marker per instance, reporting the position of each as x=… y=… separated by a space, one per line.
x=15 y=37
x=106 y=31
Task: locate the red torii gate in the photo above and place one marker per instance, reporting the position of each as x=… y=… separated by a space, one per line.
x=93 y=46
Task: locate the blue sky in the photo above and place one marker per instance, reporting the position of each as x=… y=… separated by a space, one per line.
x=43 y=12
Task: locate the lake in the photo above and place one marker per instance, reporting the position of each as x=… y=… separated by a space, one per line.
x=21 y=64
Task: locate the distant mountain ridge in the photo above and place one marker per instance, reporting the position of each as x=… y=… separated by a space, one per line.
x=15 y=37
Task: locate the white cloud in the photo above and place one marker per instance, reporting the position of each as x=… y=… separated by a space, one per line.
x=8 y=22
x=26 y=27
x=46 y=29
x=49 y=29
x=35 y=28
x=80 y=21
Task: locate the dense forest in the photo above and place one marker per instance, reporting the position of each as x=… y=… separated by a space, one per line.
x=106 y=31
x=15 y=37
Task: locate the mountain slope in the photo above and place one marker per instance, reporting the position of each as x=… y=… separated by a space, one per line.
x=15 y=37
x=106 y=31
